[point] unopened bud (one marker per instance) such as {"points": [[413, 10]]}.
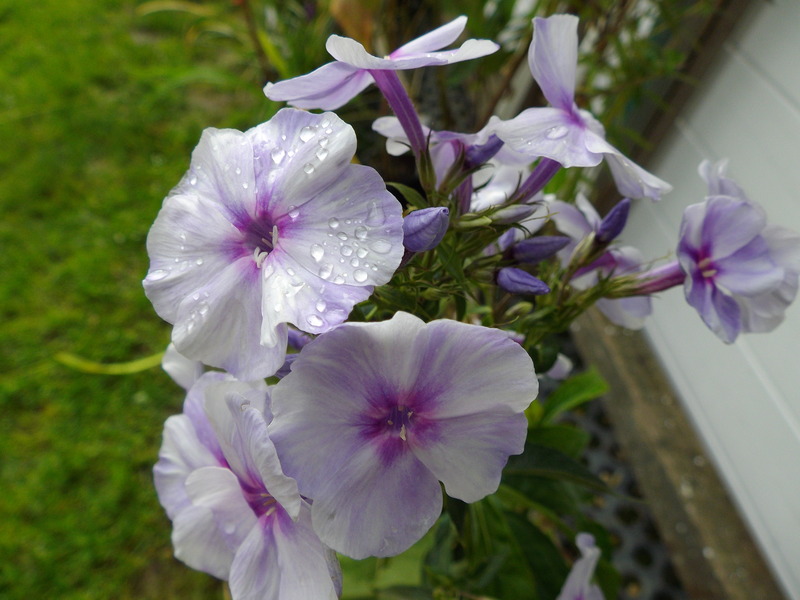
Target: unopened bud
{"points": [[518, 281], [423, 229], [513, 213], [538, 248], [614, 222]]}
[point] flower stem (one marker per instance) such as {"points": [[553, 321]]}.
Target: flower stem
{"points": [[661, 278]]}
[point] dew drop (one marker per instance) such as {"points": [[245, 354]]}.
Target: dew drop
{"points": [[290, 272], [362, 252], [157, 275], [317, 252], [321, 305], [323, 141], [338, 280], [342, 236], [557, 132], [277, 155], [314, 321], [294, 212], [361, 232], [346, 250], [202, 309], [375, 215], [322, 154], [283, 137], [326, 270], [354, 262], [360, 276], [198, 262], [333, 222], [245, 185], [306, 133], [193, 180], [381, 246], [238, 171], [324, 123], [308, 169], [196, 297]]}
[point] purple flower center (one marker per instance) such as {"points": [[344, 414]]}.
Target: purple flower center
{"points": [[707, 268], [399, 421], [260, 500], [260, 237]]}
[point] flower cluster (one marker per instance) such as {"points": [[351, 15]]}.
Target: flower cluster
{"points": [[413, 323]]}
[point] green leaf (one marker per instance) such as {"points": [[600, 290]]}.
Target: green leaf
{"points": [[543, 558], [541, 461], [565, 438], [412, 196], [575, 391]]}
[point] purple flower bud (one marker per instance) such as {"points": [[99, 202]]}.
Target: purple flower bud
{"points": [[477, 155], [513, 213], [518, 281], [614, 222], [423, 229], [538, 248]]}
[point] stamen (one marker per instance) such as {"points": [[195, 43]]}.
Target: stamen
{"points": [[274, 236], [259, 256], [403, 432]]}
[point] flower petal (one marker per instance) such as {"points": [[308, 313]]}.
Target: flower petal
{"points": [[433, 40], [352, 53], [199, 543], [329, 87], [553, 58], [184, 371], [730, 224]]}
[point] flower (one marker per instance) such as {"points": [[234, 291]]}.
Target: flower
{"points": [[393, 408], [336, 83], [740, 273], [235, 514], [423, 229], [268, 227], [563, 132], [578, 586], [517, 281], [580, 220]]}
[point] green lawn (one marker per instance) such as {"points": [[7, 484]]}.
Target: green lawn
{"points": [[99, 110]]}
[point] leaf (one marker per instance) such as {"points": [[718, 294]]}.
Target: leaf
{"points": [[126, 368], [543, 558], [575, 391], [412, 196], [565, 438], [541, 461]]}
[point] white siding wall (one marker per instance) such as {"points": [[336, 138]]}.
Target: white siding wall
{"points": [[744, 398]]}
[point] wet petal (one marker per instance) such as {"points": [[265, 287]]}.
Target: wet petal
{"points": [[553, 58]]}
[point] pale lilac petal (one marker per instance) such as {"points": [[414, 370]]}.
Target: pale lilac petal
{"points": [[553, 58], [349, 233], [784, 246], [282, 560], [729, 225], [397, 142], [570, 220], [363, 510], [352, 53], [549, 132], [629, 313], [718, 183], [719, 312], [469, 451], [433, 40], [467, 51], [329, 87], [765, 312], [199, 543], [220, 324], [749, 271], [194, 409], [632, 180], [184, 371], [561, 369], [297, 156], [218, 490], [578, 585]]}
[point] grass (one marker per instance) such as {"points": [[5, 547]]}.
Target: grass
{"points": [[99, 111]]}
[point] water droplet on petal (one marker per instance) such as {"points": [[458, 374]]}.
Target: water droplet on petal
{"points": [[361, 232], [202, 309], [375, 215], [326, 270], [324, 123], [277, 155], [557, 132], [306, 133], [314, 321], [290, 272], [308, 169], [245, 185], [346, 250], [323, 141], [193, 180], [294, 212], [338, 280], [322, 154], [317, 252], [198, 262], [381, 246], [362, 252], [157, 275], [321, 305], [342, 236], [238, 171], [360, 276], [333, 222], [354, 262]]}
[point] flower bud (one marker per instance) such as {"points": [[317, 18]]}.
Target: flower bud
{"points": [[614, 222], [423, 229], [518, 281], [538, 248], [513, 213]]}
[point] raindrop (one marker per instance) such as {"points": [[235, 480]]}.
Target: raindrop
{"points": [[354, 262], [308, 169], [306, 133], [245, 185], [317, 252], [381, 246], [346, 250], [238, 171], [294, 212], [342, 236], [326, 270], [329, 131], [325, 123], [338, 280], [557, 132], [198, 262], [277, 155], [361, 232], [290, 272], [321, 306], [202, 309], [283, 137], [196, 296], [157, 275], [360, 276], [193, 180], [323, 141], [362, 253], [314, 321], [322, 154], [375, 215], [333, 222]]}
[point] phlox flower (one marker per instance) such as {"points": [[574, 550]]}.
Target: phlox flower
{"points": [[578, 221], [268, 227], [740, 273], [374, 415], [235, 515], [578, 585], [336, 83], [563, 132]]}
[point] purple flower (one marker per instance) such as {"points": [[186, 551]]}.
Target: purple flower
{"points": [[517, 281], [336, 83], [393, 408], [423, 229], [580, 220], [235, 514], [563, 132], [741, 274], [578, 585], [268, 227]]}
